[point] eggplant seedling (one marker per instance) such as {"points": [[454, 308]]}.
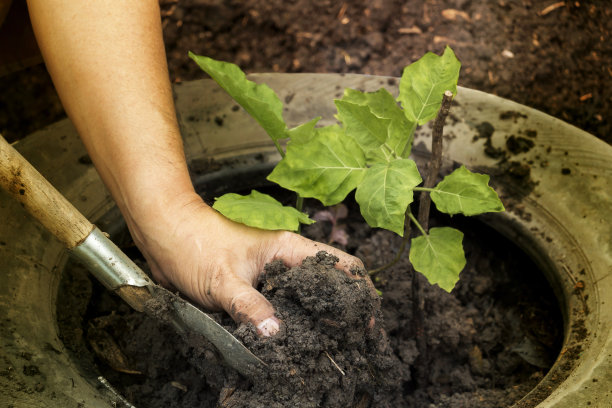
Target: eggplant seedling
{"points": [[369, 152]]}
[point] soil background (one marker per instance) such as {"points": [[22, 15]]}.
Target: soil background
{"points": [[555, 56]]}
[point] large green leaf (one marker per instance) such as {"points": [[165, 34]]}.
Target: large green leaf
{"points": [[439, 256], [399, 130], [464, 192], [260, 211], [386, 191], [327, 167], [424, 82], [260, 101]]}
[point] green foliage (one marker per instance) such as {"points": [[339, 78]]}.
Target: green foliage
{"points": [[385, 193], [368, 152], [303, 132], [259, 101], [260, 211], [366, 128], [439, 256], [327, 166], [467, 193], [423, 85], [396, 138]]}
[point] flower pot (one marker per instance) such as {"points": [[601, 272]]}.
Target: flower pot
{"points": [[554, 181]]}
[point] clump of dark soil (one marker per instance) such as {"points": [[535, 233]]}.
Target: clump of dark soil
{"points": [[331, 350]]}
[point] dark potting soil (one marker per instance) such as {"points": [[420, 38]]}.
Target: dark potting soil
{"points": [[488, 342], [332, 350]]}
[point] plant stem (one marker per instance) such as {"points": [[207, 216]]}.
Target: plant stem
{"points": [[418, 225], [418, 302], [299, 204], [418, 328], [279, 148], [429, 190], [436, 158], [401, 249]]}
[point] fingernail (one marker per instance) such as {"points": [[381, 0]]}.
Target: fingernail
{"points": [[268, 327]]}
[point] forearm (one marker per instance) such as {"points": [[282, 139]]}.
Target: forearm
{"points": [[107, 61]]}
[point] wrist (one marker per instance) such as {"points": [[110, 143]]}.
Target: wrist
{"points": [[153, 206], [159, 206], [157, 224]]}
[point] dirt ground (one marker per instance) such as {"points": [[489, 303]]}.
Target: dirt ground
{"points": [[551, 55]]}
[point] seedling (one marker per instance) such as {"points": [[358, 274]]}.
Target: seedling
{"points": [[370, 153]]}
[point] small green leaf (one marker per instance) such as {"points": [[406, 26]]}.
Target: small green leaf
{"points": [[424, 82], [261, 211], [439, 256], [304, 132], [327, 167], [380, 102], [401, 135], [366, 128], [464, 192], [386, 191], [260, 101], [399, 132]]}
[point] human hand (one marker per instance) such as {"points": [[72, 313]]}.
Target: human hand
{"points": [[217, 262]]}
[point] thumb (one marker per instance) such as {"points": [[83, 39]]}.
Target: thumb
{"points": [[246, 304]]}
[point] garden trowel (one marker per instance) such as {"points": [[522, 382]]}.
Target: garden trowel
{"points": [[109, 264]]}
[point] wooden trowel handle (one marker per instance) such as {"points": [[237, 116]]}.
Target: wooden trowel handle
{"points": [[107, 263], [40, 198]]}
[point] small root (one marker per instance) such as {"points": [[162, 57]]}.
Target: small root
{"points": [[334, 363]]}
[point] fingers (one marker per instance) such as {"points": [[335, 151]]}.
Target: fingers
{"points": [[295, 248], [246, 304]]}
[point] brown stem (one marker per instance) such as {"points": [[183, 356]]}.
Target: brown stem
{"points": [[418, 302], [436, 159]]}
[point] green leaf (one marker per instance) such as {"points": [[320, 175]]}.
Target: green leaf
{"points": [[260, 211], [327, 167], [380, 102], [366, 128], [464, 192], [399, 130], [385, 193], [304, 132], [424, 82], [260, 101], [439, 256]]}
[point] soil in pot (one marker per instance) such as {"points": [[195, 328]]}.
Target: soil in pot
{"points": [[488, 342]]}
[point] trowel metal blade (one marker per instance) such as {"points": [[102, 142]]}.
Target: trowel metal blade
{"points": [[187, 318]]}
